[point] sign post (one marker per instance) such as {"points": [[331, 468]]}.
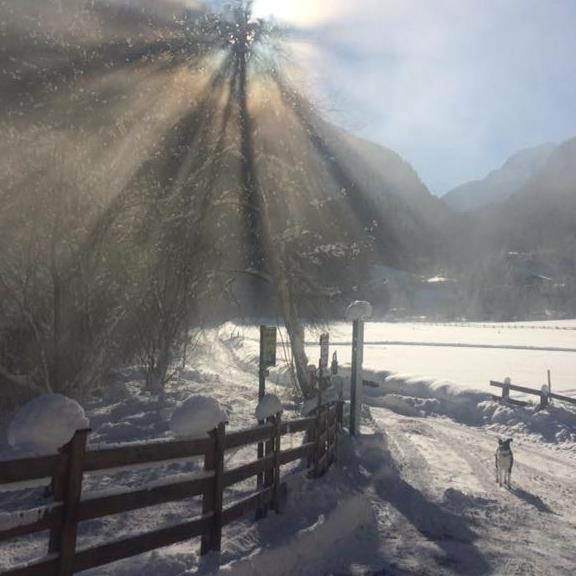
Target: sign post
{"points": [[267, 359], [267, 356], [334, 365], [357, 312], [324, 353]]}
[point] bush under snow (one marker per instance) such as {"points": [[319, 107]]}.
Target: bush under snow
{"points": [[269, 406], [197, 416], [46, 423]]}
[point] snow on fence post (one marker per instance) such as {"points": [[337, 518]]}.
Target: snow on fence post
{"points": [[67, 487], [212, 501]]}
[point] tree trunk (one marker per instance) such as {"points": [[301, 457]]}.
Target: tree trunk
{"points": [[296, 336], [156, 377], [257, 232]]}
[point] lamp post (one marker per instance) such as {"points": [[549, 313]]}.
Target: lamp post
{"points": [[357, 312]]}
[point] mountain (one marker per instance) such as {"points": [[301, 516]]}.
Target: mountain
{"points": [[541, 215], [405, 206], [519, 256], [502, 183]]}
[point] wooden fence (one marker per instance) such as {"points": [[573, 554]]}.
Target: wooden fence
{"points": [[544, 394], [66, 469]]}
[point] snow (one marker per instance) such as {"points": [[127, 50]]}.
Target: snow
{"points": [[46, 423], [270, 405], [467, 355], [197, 416], [414, 494], [328, 396], [9, 520]]}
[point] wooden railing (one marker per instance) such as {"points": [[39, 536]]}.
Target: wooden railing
{"points": [[544, 394], [66, 469]]}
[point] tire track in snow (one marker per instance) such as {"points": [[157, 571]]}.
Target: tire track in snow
{"points": [[534, 521], [433, 538]]}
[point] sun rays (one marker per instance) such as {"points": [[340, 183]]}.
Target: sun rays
{"points": [[157, 168]]}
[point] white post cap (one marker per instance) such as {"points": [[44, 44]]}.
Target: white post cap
{"points": [[359, 310]]}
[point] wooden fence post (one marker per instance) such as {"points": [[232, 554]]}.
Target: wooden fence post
{"points": [[325, 444], [267, 479], [506, 389], [214, 497], [67, 488], [317, 434], [264, 479], [340, 413], [332, 434], [276, 473], [339, 426], [544, 398]]}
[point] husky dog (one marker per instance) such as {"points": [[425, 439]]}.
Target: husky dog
{"points": [[504, 462]]}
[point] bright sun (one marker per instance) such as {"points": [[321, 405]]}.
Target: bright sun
{"points": [[298, 12]]}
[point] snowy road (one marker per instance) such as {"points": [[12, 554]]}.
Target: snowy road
{"points": [[439, 511]]}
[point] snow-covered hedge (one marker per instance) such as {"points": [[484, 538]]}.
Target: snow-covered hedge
{"points": [[46, 423], [197, 416]]}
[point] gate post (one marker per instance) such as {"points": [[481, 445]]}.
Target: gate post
{"points": [[213, 497], [67, 487], [506, 389], [357, 312]]}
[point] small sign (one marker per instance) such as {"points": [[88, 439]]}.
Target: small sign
{"points": [[324, 350], [267, 346], [334, 365]]}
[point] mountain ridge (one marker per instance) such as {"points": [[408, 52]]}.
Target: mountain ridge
{"points": [[501, 183]]}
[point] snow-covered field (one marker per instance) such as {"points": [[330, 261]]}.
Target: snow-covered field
{"points": [[470, 355], [414, 495]]}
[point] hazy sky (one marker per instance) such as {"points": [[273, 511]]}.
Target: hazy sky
{"points": [[455, 86]]}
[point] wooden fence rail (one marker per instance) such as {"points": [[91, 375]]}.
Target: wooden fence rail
{"points": [[66, 470], [544, 394]]}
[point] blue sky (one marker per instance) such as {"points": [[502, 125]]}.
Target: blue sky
{"points": [[454, 86]]}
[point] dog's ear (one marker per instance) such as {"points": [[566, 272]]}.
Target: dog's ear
{"points": [[500, 441]]}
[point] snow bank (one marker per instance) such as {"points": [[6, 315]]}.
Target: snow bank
{"points": [[420, 398], [321, 548], [197, 416], [270, 405], [46, 423]]}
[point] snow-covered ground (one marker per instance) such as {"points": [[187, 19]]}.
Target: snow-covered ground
{"points": [[470, 355], [413, 495], [467, 355]]}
